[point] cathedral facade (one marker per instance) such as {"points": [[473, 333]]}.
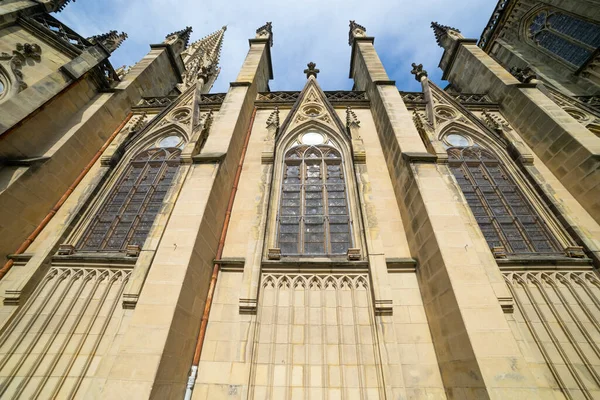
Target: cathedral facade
{"points": [[162, 241]]}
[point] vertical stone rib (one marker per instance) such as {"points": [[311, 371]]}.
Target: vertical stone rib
{"points": [[536, 337], [64, 375], [60, 351], [113, 306], [553, 337], [579, 299], [552, 282], [359, 362], [8, 332], [563, 326], [13, 372], [61, 322], [274, 312]]}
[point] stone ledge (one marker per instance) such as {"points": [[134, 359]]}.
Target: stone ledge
{"points": [[419, 157], [401, 264], [208, 158]]}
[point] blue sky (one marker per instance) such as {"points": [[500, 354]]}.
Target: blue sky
{"points": [[307, 30]]}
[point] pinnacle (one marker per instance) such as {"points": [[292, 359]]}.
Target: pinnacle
{"points": [[59, 5], [111, 40], [201, 58], [355, 30], [441, 30], [184, 34]]}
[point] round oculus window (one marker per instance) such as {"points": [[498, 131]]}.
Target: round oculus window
{"points": [[456, 140], [169, 141], [312, 138]]}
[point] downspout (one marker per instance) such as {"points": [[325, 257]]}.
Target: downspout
{"points": [[25, 245], [213, 280]]}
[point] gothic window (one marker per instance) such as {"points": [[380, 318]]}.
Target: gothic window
{"points": [[564, 35], [130, 208], [501, 209], [313, 215]]}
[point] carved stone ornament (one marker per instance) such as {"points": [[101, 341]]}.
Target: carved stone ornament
{"points": [[353, 254], [311, 70], [351, 118], [499, 252], [65, 249], [14, 63], [574, 252], [132, 250], [524, 75], [356, 30], [418, 72], [274, 254], [265, 31]]}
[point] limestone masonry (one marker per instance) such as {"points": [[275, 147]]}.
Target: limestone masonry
{"points": [[162, 241]]}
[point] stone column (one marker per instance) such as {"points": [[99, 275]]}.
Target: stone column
{"points": [[460, 300], [566, 147], [157, 350]]}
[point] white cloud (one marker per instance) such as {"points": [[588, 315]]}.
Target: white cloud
{"points": [[308, 30]]}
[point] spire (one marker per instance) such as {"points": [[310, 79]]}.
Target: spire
{"points": [[183, 35], [111, 40], [445, 35], [201, 58], [356, 30]]}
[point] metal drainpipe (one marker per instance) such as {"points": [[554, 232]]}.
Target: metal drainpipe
{"points": [[213, 280]]}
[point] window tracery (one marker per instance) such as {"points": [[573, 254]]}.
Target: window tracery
{"points": [[505, 216], [128, 212], [313, 214], [570, 38]]}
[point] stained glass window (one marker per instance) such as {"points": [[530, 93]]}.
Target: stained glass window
{"points": [[569, 37], [130, 208], [501, 209], [313, 215]]}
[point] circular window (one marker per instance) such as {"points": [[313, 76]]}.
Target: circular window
{"points": [[169, 141], [181, 115], [445, 112], [312, 110], [457, 140], [312, 138]]}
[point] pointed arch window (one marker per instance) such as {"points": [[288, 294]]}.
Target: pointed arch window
{"points": [[570, 38], [313, 214], [130, 208], [500, 207]]}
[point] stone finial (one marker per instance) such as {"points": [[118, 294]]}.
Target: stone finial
{"points": [[418, 72], [445, 35], [110, 40], [122, 71], [311, 70], [273, 120], [524, 75], [183, 35], [356, 30], [265, 31], [351, 118]]}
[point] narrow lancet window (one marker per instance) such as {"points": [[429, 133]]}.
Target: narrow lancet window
{"points": [[313, 215], [568, 37], [130, 208], [500, 207]]}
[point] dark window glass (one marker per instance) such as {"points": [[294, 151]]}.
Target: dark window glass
{"points": [[313, 214], [570, 38], [130, 208], [503, 213]]}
